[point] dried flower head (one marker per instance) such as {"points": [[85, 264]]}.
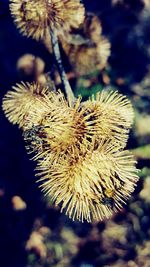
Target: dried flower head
{"points": [[55, 129], [66, 130], [87, 58], [86, 48], [91, 186], [62, 129], [89, 32], [23, 99], [111, 117], [36, 18]]}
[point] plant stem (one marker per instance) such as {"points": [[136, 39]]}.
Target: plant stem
{"points": [[64, 79]]}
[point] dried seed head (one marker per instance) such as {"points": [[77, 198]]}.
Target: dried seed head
{"points": [[61, 131], [36, 18], [30, 66], [88, 51], [65, 129], [86, 58], [24, 98], [111, 117], [91, 186], [80, 160], [89, 32]]}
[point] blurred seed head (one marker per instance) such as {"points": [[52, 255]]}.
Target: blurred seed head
{"points": [[18, 203], [89, 31], [86, 59], [92, 28], [87, 50], [36, 18], [36, 243], [146, 3], [30, 66]]}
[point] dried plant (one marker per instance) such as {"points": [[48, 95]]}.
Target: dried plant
{"points": [[86, 48], [91, 185], [78, 146], [86, 59], [36, 18], [111, 116], [18, 103]]}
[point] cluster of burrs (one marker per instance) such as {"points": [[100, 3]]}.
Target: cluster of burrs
{"points": [[78, 146]]}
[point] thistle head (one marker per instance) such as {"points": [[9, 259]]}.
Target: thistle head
{"points": [[35, 18]]}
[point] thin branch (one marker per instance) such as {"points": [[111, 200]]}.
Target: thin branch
{"points": [[64, 79]]}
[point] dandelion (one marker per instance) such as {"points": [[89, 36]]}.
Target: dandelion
{"points": [[36, 18]]}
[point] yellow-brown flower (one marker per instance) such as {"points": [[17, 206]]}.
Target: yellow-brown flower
{"points": [[36, 17], [91, 186]]}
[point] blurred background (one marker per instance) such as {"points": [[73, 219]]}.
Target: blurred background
{"points": [[33, 233]]}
